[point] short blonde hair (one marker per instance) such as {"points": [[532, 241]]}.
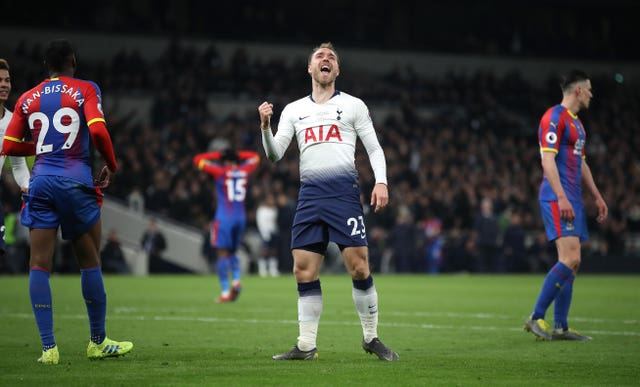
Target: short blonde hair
{"points": [[4, 65], [328, 45]]}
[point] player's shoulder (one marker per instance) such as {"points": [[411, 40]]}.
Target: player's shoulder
{"points": [[25, 99], [293, 108], [346, 98], [559, 110], [32, 92], [306, 100], [84, 83], [554, 113]]}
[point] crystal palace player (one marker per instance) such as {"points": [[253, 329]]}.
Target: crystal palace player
{"points": [[231, 171], [327, 124], [562, 141], [64, 115]]}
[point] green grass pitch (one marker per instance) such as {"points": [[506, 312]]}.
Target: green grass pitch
{"points": [[452, 330]]}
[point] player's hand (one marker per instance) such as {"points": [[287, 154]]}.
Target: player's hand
{"points": [[266, 111], [603, 210], [104, 178], [566, 209], [379, 197]]}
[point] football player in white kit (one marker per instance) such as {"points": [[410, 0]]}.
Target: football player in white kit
{"points": [[19, 167], [326, 125]]}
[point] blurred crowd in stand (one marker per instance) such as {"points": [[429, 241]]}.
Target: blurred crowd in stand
{"points": [[497, 27], [462, 153]]}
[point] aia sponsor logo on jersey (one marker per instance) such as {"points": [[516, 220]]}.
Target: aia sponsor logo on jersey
{"points": [[322, 133]]}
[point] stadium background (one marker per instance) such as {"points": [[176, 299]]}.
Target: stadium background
{"points": [[455, 90]]}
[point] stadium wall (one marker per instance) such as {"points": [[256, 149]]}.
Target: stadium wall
{"points": [[183, 243]]}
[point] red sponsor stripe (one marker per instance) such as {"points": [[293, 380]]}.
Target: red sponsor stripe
{"points": [[555, 212], [561, 274], [99, 196], [214, 232]]}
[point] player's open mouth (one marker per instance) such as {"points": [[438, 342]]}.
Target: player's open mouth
{"points": [[325, 69]]}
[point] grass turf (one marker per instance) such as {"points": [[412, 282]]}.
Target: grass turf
{"points": [[448, 329]]}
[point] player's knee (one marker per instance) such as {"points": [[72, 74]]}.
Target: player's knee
{"points": [[360, 274], [43, 265], [304, 273], [358, 269], [571, 261], [88, 261]]}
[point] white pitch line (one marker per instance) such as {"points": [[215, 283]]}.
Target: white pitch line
{"points": [[491, 316], [452, 315], [326, 322]]}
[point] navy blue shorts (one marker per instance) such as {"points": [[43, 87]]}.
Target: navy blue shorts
{"points": [[272, 243], [557, 227], [56, 201], [318, 221]]}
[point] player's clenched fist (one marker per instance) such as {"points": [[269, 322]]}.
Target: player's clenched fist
{"points": [[266, 111]]}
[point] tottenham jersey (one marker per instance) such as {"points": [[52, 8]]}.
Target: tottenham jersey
{"points": [[18, 164], [562, 132], [4, 122], [326, 135]]}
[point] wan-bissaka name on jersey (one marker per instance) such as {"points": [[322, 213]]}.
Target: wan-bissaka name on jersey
{"points": [[58, 112]]}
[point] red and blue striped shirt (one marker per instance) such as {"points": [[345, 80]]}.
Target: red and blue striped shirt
{"points": [[562, 132]]}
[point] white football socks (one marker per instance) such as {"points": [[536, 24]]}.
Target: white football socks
{"points": [[366, 302], [309, 311], [262, 267]]}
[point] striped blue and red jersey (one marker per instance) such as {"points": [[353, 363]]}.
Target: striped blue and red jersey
{"points": [[58, 112], [562, 132], [231, 181]]}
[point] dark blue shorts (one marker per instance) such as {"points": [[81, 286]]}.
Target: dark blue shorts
{"points": [[556, 227], [318, 221], [226, 233], [56, 201], [272, 243]]}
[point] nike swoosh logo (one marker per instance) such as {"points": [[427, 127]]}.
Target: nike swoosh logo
{"points": [[302, 118]]}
